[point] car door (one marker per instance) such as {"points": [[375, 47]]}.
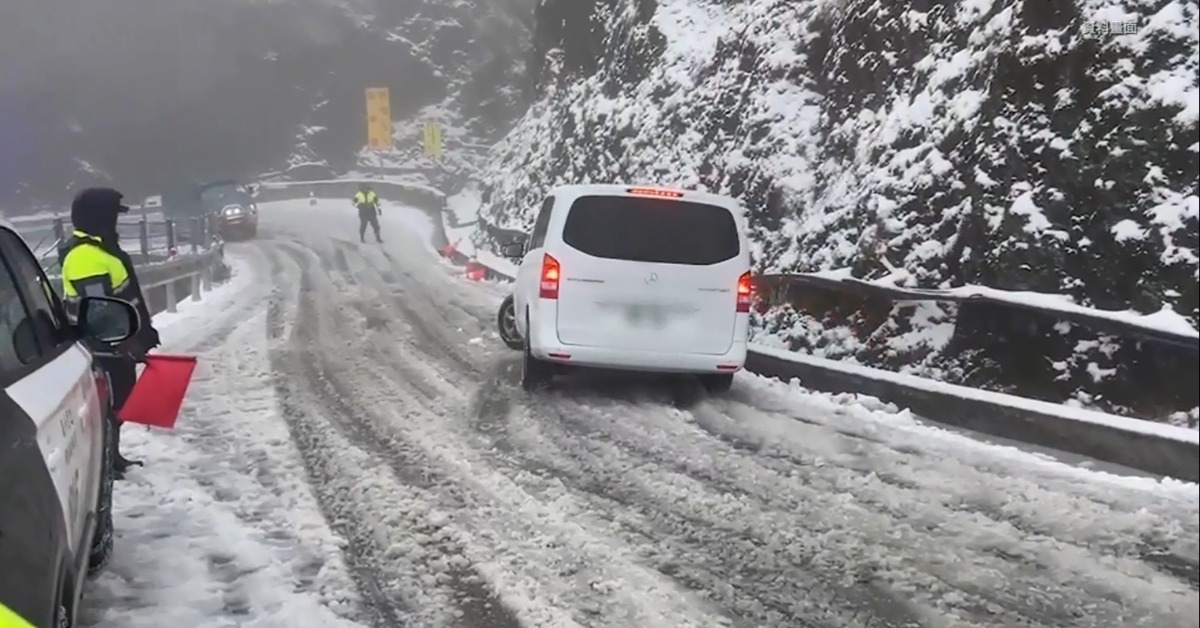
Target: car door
{"points": [[53, 406], [529, 273], [33, 531]]}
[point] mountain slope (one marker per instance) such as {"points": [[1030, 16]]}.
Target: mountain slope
{"points": [[996, 142]]}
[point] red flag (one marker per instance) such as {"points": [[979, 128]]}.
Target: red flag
{"points": [[159, 392]]}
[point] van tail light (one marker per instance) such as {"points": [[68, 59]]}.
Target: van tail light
{"points": [[660, 193], [551, 273], [745, 289]]}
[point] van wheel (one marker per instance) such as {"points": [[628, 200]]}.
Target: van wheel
{"points": [[535, 374], [717, 383], [102, 542], [506, 322]]}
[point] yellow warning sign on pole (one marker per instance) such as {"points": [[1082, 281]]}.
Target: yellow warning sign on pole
{"points": [[432, 143], [379, 119]]}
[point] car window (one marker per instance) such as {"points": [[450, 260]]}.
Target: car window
{"points": [[12, 315], [49, 326], [654, 230], [541, 225]]}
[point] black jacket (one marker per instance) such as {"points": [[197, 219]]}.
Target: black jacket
{"points": [[147, 337]]}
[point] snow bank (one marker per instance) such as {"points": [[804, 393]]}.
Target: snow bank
{"points": [[1126, 424]]}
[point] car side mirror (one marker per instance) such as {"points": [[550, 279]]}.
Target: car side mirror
{"points": [[514, 251], [107, 320]]}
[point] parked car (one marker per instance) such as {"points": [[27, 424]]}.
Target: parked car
{"points": [[632, 278], [56, 445]]}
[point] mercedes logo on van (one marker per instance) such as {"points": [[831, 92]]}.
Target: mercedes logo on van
{"points": [[652, 278]]}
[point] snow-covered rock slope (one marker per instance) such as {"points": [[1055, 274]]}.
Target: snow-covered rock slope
{"points": [[1032, 145]]}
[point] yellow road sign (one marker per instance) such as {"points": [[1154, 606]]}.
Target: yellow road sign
{"points": [[432, 142], [379, 119]]}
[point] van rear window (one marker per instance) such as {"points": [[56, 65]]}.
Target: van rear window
{"points": [[663, 231]]}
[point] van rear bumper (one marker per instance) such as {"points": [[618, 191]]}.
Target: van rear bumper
{"points": [[551, 350]]}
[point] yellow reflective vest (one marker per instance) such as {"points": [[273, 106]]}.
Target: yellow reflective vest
{"points": [[9, 619], [89, 270], [369, 199]]}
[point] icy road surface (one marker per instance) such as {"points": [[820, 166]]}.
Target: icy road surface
{"points": [[357, 452]]}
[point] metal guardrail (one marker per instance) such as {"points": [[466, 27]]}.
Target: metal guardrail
{"points": [[1097, 322], [174, 260], [157, 240]]}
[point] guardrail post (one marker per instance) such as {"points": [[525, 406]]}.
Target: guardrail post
{"points": [[197, 287], [144, 237], [170, 236], [170, 287], [197, 235], [60, 230], [206, 275]]}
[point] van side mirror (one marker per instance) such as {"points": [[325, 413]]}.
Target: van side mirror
{"points": [[107, 321], [514, 251]]}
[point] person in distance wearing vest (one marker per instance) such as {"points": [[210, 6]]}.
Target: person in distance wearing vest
{"points": [[94, 264], [369, 212]]}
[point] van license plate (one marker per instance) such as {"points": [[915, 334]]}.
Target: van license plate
{"points": [[645, 315]]}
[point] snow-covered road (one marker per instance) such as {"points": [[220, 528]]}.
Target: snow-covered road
{"points": [[357, 452]]}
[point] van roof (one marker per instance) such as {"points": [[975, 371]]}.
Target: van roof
{"points": [[622, 189]]}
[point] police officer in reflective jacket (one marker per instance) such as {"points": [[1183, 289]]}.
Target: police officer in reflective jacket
{"points": [[369, 212], [93, 264]]}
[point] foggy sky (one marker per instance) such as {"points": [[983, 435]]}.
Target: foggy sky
{"points": [[124, 72], [152, 90]]}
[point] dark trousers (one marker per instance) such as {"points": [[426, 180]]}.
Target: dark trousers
{"points": [[122, 375], [368, 216]]}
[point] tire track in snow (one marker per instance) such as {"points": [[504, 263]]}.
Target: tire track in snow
{"points": [[1075, 581], [360, 554], [1022, 566], [478, 606], [1028, 505], [593, 609], [747, 573]]}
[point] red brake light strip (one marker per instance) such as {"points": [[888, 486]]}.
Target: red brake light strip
{"points": [[655, 192]]}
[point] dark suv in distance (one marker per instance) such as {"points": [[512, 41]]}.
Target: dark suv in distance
{"points": [[56, 439], [228, 204]]}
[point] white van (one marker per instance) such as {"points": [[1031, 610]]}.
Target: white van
{"points": [[632, 278]]}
